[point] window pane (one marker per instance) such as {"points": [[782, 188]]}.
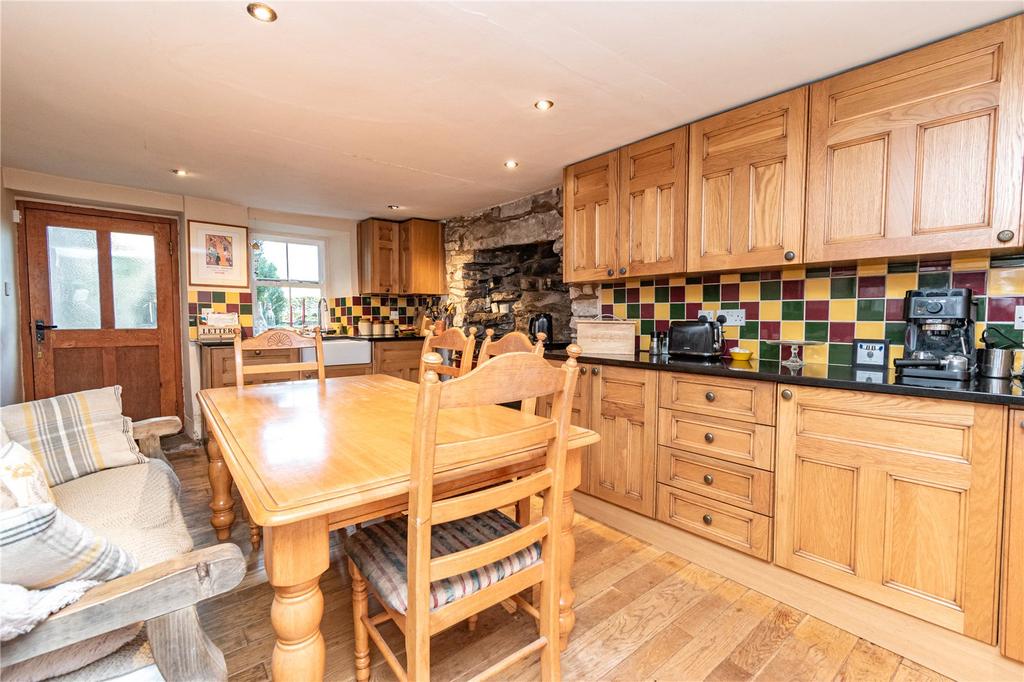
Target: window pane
{"points": [[303, 263], [74, 278], [271, 308], [133, 264], [271, 261], [305, 304]]}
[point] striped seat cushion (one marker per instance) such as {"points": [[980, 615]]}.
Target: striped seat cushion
{"points": [[75, 434], [380, 553]]}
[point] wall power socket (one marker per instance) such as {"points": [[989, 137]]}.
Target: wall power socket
{"points": [[1018, 317], [733, 318]]}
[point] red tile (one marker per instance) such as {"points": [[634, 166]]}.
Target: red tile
{"points": [[633, 295], [246, 332], [770, 331], [815, 310], [894, 309], [871, 287], [646, 311], [975, 281], [231, 307], [752, 308], [245, 297], [1001, 308], [607, 309], [661, 325], [677, 294], [840, 332], [731, 292], [792, 289], [711, 279], [692, 310]]}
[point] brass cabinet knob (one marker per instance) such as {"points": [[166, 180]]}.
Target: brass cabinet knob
{"points": [[583, 370], [787, 394], [709, 479], [257, 352], [709, 396], [610, 272], [707, 519], [1005, 236], [622, 271], [595, 370], [789, 255], [709, 437]]}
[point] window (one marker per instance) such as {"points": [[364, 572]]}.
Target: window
{"points": [[288, 276]]}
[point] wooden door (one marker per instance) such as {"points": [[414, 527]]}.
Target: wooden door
{"points": [[1011, 633], [581, 404], [624, 413], [378, 257], [109, 283], [652, 205], [894, 498], [591, 202], [920, 153], [746, 199]]}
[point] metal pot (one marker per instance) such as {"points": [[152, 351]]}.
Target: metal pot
{"points": [[995, 363]]}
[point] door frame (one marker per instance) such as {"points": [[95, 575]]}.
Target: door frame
{"points": [[24, 304]]}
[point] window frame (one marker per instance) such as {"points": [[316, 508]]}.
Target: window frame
{"points": [[321, 246]]}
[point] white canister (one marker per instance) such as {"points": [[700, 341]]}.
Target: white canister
{"points": [[365, 327], [378, 329], [389, 329]]}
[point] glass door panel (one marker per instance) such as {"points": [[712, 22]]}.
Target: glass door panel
{"points": [[74, 278], [133, 270]]}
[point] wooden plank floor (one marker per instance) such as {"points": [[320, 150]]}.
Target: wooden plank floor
{"points": [[641, 614]]}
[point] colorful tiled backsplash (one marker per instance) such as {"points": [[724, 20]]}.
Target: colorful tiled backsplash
{"points": [[832, 304], [348, 310], [220, 302]]}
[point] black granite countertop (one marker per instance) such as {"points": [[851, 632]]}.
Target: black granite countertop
{"points": [[831, 376]]}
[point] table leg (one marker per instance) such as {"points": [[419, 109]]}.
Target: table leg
{"points": [[221, 503], [567, 597], [296, 555]]}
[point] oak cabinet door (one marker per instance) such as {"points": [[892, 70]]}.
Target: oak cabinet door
{"points": [[622, 469], [378, 257], [894, 498], [652, 205], [398, 359], [920, 153], [421, 261], [1011, 634], [746, 199], [590, 215], [580, 416]]}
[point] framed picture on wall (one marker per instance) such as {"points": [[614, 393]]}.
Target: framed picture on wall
{"points": [[218, 255]]}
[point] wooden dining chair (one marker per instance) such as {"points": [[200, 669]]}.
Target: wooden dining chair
{"points": [[275, 339], [454, 341], [409, 565]]}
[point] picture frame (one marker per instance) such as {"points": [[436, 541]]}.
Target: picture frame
{"points": [[871, 354], [218, 255]]}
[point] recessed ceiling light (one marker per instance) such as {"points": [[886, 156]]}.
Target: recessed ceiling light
{"points": [[179, 171], [511, 163], [261, 12], [394, 207], [543, 104]]}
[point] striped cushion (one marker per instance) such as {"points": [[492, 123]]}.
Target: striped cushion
{"points": [[380, 552], [22, 481], [75, 434], [42, 546]]}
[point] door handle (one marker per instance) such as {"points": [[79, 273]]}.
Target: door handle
{"points": [[41, 330]]}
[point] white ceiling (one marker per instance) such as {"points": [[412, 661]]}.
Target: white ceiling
{"points": [[341, 108]]}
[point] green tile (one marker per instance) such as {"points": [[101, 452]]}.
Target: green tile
{"points": [[818, 273], [981, 308], [840, 354], [619, 295], [768, 351], [245, 308], [712, 293], [844, 287], [1006, 328], [633, 311], [750, 276], [677, 311], [815, 331], [895, 332], [750, 330], [933, 280], [730, 305], [909, 266], [871, 309], [792, 310], [646, 327], [771, 290], [661, 294], [693, 279], [218, 297]]}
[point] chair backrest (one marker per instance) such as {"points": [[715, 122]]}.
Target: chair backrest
{"points": [[513, 342], [275, 339], [453, 340], [506, 378]]}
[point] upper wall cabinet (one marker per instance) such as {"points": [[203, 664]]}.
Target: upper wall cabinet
{"points": [[591, 201], [652, 205], [401, 258], [746, 199], [378, 257], [920, 153]]}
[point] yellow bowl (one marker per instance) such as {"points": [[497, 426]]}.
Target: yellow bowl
{"points": [[740, 354]]}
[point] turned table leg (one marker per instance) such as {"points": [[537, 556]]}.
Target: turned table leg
{"points": [[296, 555], [567, 597], [221, 503]]}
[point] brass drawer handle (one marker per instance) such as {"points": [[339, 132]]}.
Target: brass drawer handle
{"points": [[583, 370], [707, 519], [610, 272], [709, 479], [1005, 236], [595, 371], [787, 394], [709, 396], [709, 437], [258, 352], [790, 255]]}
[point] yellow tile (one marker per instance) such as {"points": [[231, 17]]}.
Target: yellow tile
{"points": [[869, 330], [871, 267], [897, 284], [694, 293], [964, 262], [798, 272], [731, 332], [816, 354], [842, 310], [979, 329], [750, 291], [607, 295], [645, 342], [817, 289], [220, 307], [814, 369], [661, 311], [231, 297], [730, 278], [770, 310], [619, 310], [895, 352], [752, 345], [193, 333], [193, 296], [647, 294], [245, 320], [385, 310], [792, 330], [677, 281], [1005, 282]]}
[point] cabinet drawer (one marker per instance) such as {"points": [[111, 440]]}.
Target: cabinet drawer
{"points": [[733, 441], [745, 400], [741, 529], [734, 484]]}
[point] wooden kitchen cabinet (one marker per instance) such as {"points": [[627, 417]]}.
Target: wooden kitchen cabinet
{"points": [[217, 365], [920, 153], [746, 197], [652, 205], [398, 358], [894, 498], [590, 218], [1011, 629], [624, 413], [581, 404], [421, 268], [378, 257]]}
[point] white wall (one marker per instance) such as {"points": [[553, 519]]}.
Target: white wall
{"points": [[10, 338]]}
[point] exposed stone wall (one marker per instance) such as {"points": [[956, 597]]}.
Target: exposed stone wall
{"points": [[504, 264]]}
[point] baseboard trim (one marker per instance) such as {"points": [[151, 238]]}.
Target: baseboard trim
{"points": [[942, 650]]}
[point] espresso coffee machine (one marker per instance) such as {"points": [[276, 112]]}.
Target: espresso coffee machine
{"points": [[939, 346]]}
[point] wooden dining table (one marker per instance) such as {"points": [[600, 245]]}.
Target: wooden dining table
{"points": [[308, 457]]}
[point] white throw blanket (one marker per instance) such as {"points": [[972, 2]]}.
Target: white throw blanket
{"points": [[22, 609]]}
